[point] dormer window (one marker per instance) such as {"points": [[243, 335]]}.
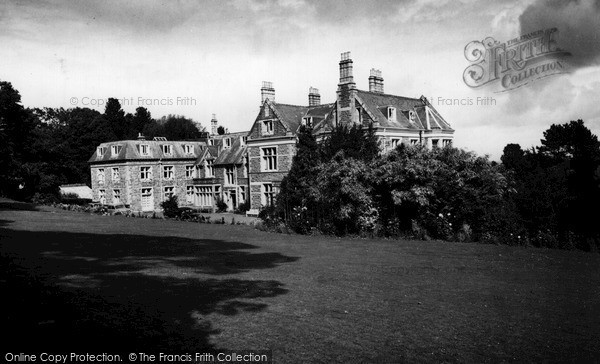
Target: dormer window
{"points": [[243, 140], [100, 151], [188, 149], [391, 114], [144, 149], [227, 143], [413, 116], [307, 121], [267, 127], [211, 142], [167, 149], [115, 150]]}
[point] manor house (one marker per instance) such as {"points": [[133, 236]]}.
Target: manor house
{"points": [[248, 167]]}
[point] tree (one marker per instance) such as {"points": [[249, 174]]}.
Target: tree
{"points": [[115, 117], [177, 127], [16, 130], [295, 200], [141, 119], [221, 130]]}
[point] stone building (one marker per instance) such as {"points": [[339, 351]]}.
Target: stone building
{"points": [[249, 166], [143, 173], [395, 120], [222, 171]]}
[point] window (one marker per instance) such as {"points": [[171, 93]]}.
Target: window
{"points": [[267, 194], [189, 171], [446, 142], [100, 175], [267, 127], [100, 151], [145, 173], [227, 143], [391, 113], [116, 196], [307, 121], [414, 141], [269, 159], [229, 175], [243, 140], [189, 194], [168, 172], [144, 149], [197, 172], [395, 143], [102, 196], [211, 142], [359, 115], [115, 150], [204, 195], [116, 176], [188, 149], [242, 194], [434, 143], [169, 191], [167, 149], [210, 168]]}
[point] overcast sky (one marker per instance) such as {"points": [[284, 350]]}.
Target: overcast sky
{"points": [[218, 53]]}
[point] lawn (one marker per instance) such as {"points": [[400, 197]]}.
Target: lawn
{"points": [[76, 281]]}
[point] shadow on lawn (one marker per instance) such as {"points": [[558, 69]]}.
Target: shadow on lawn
{"points": [[66, 291]]}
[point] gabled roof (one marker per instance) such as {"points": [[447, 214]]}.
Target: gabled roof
{"points": [[130, 150], [425, 116], [291, 115], [233, 154]]}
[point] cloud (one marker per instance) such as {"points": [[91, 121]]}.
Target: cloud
{"points": [[578, 23]]}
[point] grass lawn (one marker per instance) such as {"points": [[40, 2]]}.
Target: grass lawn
{"points": [[75, 281]]}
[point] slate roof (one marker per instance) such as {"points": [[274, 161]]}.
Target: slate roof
{"points": [[233, 154], [377, 103], [130, 150], [291, 115]]}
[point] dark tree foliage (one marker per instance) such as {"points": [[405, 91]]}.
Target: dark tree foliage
{"points": [[557, 186], [295, 200], [141, 118], [355, 141], [221, 130], [41, 149]]}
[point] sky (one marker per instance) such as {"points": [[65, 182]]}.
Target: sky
{"points": [[198, 58]]}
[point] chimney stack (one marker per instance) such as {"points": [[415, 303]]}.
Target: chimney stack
{"points": [[375, 81], [267, 92], [214, 125], [141, 136], [314, 98], [346, 70]]}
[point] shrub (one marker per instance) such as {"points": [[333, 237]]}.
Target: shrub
{"points": [[171, 207], [243, 207], [221, 205]]}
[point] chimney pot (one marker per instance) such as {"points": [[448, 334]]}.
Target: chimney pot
{"points": [[314, 98], [346, 69], [267, 92], [375, 81]]}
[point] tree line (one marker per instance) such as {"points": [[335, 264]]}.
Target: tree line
{"points": [[545, 196], [43, 148]]}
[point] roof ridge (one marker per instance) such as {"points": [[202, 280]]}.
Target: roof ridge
{"points": [[384, 94]]}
